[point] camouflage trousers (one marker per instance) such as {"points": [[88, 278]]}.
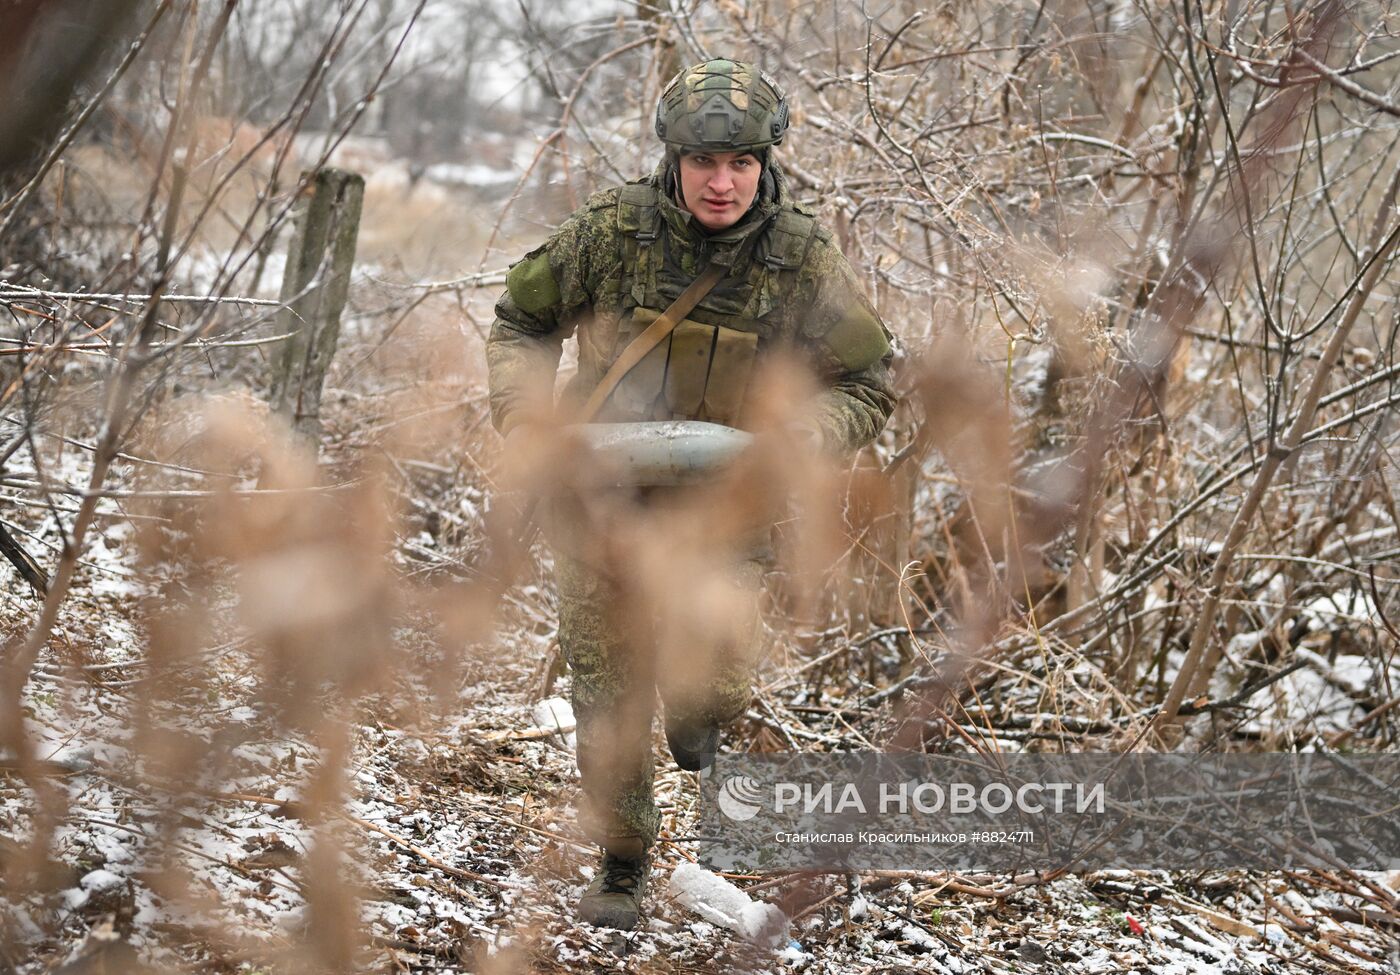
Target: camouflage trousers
{"points": [[696, 644]]}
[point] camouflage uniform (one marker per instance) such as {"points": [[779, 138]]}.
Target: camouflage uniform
{"points": [[624, 256]]}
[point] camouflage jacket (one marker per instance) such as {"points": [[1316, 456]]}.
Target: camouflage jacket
{"points": [[632, 248]]}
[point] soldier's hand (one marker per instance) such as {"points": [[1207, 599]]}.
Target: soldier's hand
{"points": [[806, 436], [796, 440], [786, 455]]}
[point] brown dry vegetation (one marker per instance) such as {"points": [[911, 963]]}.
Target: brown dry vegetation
{"points": [[1139, 492]]}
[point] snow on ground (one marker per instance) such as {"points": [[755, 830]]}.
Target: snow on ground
{"points": [[461, 837], [473, 175]]}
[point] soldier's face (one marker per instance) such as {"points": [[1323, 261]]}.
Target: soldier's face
{"points": [[719, 186]]}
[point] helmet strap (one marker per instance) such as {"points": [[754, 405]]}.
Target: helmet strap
{"points": [[767, 184]]}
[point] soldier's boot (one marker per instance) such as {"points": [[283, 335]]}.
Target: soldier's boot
{"points": [[693, 744], [614, 897]]}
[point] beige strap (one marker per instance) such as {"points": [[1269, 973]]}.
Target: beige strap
{"points": [[650, 338]]}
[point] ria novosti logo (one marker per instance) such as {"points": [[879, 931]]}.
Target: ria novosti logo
{"points": [[740, 798]]}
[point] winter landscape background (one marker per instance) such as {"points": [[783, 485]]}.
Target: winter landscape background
{"points": [[260, 713]]}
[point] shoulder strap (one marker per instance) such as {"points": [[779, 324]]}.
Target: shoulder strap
{"points": [[639, 222], [650, 338], [787, 240], [637, 215]]}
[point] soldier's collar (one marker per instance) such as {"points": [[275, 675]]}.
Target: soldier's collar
{"points": [[730, 246]]}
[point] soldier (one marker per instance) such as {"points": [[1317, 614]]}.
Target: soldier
{"points": [[714, 238]]}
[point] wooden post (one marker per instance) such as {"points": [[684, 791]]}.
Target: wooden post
{"points": [[314, 288]]}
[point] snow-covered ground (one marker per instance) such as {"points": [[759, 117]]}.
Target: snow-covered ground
{"points": [[460, 834]]}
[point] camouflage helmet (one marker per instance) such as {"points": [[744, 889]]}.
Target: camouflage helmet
{"points": [[722, 106]]}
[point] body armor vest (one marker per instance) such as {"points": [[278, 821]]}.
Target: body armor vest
{"points": [[702, 371]]}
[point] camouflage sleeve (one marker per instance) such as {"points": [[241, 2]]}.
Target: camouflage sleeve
{"points": [[852, 347], [544, 293]]}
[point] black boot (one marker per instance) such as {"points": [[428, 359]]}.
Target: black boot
{"points": [[614, 897], [692, 745]]}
